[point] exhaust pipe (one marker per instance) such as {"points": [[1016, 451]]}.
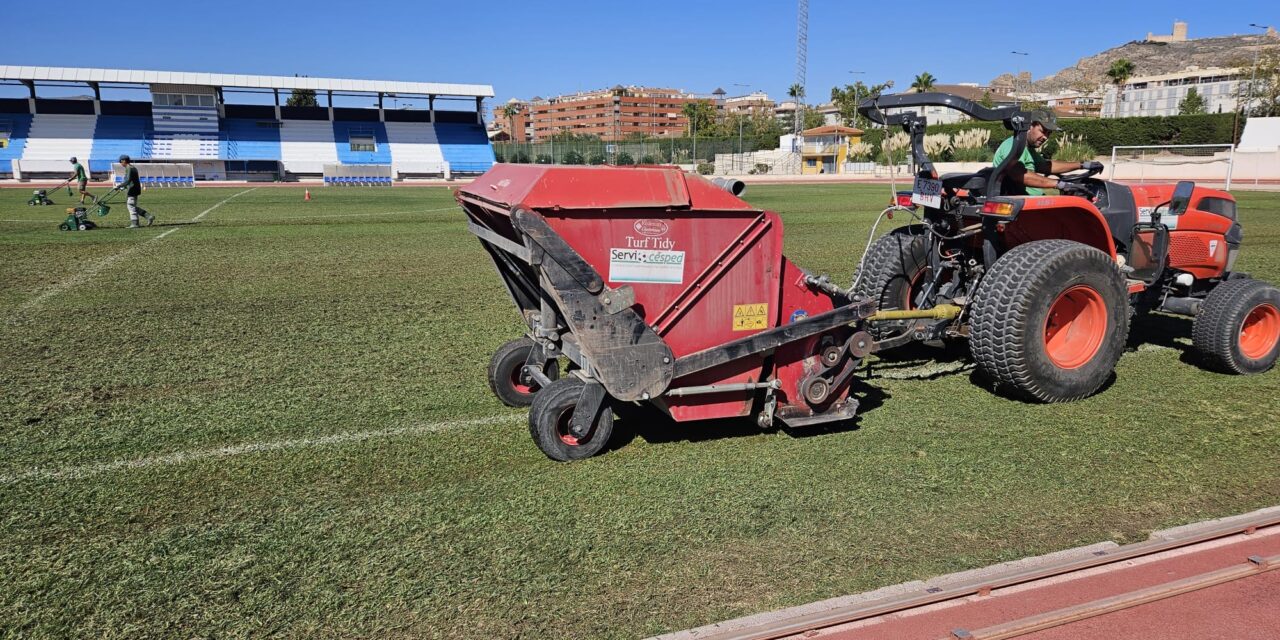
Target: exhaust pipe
{"points": [[736, 187]]}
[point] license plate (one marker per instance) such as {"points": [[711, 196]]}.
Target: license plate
{"points": [[927, 192]]}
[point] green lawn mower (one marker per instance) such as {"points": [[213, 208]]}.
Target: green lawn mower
{"points": [[78, 217], [41, 197]]}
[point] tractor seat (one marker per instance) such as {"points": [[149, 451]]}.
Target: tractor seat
{"points": [[974, 183], [1118, 208]]}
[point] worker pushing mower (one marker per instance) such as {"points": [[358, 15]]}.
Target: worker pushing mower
{"points": [[655, 287]]}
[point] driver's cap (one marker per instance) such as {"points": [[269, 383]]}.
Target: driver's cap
{"points": [[1045, 118]]}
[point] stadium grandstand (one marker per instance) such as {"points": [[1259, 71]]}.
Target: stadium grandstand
{"points": [[235, 127]]}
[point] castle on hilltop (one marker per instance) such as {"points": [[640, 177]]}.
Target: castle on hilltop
{"points": [[1179, 34]]}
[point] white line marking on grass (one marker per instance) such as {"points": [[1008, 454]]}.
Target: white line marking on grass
{"points": [[93, 269], [338, 215], [206, 211], [231, 451]]}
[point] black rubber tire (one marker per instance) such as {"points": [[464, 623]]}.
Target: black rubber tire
{"points": [[1010, 313], [549, 417], [504, 367], [893, 262], [1216, 332]]}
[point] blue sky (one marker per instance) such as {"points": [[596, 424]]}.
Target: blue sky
{"points": [[544, 48]]}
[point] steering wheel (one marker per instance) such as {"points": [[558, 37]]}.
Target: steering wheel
{"points": [[1080, 175]]}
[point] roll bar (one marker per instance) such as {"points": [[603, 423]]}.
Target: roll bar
{"points": [[1013, 117]]}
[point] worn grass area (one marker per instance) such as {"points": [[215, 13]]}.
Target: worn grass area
{"points": [[373, 311]]}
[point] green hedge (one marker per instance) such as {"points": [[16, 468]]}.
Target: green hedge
{"points": [[1104, 133]]}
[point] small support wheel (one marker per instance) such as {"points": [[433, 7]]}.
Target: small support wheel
{"points": [[550, 418], [507, 379], [1238, 327]]}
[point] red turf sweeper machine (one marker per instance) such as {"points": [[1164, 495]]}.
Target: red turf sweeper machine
{"points": [[658, 287]]}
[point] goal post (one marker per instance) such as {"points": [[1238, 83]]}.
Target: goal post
{"points": [[1162, 163]]}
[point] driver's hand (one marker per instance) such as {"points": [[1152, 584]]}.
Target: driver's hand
{"points": [[1091, 165], [1072, 189]]}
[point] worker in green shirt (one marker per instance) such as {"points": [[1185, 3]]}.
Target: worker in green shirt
{"points": [[132, 187], [1030, 174], [82, 179]]}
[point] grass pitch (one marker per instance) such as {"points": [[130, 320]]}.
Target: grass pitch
{"points": [[274, 421]]}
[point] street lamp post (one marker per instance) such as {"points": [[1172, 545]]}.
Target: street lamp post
{"points": [[1253, 73], [739, 162], [855, 96], [1018, 76]]}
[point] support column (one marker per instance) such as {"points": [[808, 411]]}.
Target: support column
{"points": [[97, 98], [31, 101], [329, 94], [382, 115], [277, 94], [480, 111], [220, 101], [431, 104]]}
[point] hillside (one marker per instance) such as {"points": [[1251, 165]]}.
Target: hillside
{"points": [[1151, 58]]}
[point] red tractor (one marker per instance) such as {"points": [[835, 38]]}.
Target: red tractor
{"points": [[649, 288], [1044, 287]]}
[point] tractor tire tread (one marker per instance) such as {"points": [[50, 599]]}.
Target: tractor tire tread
{"points": [[1215, 331], [888, 257], [1003, 302]]}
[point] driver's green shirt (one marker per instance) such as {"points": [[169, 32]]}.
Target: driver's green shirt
{"points": [[80, 175], [1028, 160]]}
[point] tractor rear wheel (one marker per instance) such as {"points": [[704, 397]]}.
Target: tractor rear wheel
{"points": [[1238, 327], [551, 414], [507, 379], [894, 269], [1049, 320]]}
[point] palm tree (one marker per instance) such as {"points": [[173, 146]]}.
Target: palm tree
{"points": [[796, 91], [1120, 72], [923, 82], [510, 112]]}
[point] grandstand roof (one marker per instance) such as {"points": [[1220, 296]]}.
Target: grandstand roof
{"points": [[130, 76]]}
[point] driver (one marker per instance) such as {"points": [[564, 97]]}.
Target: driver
{"points": [[1029, 176]]}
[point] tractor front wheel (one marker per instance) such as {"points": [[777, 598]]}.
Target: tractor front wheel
{"points": [[506, 373], [550, 417], [1049, 320], [1238, 327]]}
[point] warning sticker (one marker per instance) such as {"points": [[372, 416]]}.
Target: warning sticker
{"points": [[646, 265], [750, 316]]}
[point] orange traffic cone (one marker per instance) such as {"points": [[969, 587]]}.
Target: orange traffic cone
{"points": [[307, 196]]}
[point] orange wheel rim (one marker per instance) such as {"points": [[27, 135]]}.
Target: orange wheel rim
{"points": [[1260, 331], [1075, 328]]}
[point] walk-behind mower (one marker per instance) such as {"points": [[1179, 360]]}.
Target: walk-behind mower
{"points": [[39, 198], [78, 217], [659, 288]]}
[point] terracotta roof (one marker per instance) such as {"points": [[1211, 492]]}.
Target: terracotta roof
{"points": [[832, 129]]}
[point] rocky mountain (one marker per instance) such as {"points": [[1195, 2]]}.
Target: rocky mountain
{"points": [[1149, 57]]}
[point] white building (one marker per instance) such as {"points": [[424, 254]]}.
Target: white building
{"points": [[1159, 95]]}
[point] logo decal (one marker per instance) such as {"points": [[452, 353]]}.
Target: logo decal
{"points": [[650, 227]]}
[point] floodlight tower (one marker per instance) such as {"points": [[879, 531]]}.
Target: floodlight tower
{"points": [[802, 61]]}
